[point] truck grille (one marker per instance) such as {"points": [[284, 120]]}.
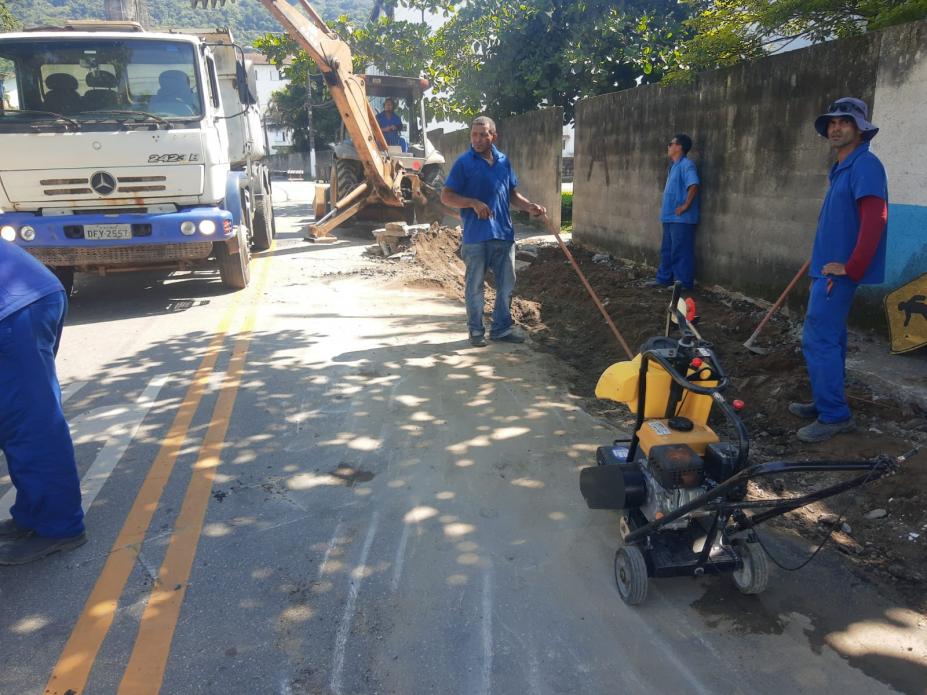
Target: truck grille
{"points": [[126, 184], [122, 255]]}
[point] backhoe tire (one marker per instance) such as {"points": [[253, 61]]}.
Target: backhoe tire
{"points": [[433, 177], [234, 268], [346, 176], [265, 228]]}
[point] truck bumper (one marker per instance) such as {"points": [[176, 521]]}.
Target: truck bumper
{"points": [[151, 240]]}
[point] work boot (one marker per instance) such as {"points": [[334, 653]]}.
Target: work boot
{"points": [[32, 548], [819, 431], [805, 410], [516, 335], [477, 340], [10, 530], [656, 285]]}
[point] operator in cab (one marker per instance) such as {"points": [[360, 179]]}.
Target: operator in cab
{"points": [[391, 124]]}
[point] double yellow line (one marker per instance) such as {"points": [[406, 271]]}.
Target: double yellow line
{"points": [[145, 670]]}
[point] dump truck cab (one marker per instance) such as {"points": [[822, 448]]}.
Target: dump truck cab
{"points": [[126, 149]]}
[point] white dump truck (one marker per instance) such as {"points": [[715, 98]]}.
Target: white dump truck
{"points": [[124, 149]]}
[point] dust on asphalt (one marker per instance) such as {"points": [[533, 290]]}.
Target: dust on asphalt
{"points": [[554, 308]]}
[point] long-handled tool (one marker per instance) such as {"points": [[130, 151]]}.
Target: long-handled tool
{"points": [[595, 298], [773, 309]]}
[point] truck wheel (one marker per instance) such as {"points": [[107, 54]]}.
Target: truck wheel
{"points": [[631, 574], [753, 577], [264, 229], [347, 177], [234, 267]]}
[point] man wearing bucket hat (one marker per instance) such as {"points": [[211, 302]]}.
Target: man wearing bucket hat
{"points": [[849, 250]]}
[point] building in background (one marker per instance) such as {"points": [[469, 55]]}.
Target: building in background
{"points": [[268, 80]]}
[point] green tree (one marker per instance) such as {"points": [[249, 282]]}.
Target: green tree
{"points": [[725, 32], [396, 48], [288, 106], [7, 20], [507, 57]]}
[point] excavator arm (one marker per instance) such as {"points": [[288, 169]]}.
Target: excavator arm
{"points": [[333, 57]]}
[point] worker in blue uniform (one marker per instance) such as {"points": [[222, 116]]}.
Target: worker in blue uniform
{"points": [[34, 436], [391, 124], [679, 215], [849, 250]]}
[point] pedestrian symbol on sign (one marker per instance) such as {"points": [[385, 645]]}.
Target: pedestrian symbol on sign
{"points": [[906, 311]]}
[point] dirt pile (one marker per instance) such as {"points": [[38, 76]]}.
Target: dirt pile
{"points": [[886, 522]]}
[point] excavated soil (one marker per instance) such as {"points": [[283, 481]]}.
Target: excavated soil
{"points": [[554, 308]]}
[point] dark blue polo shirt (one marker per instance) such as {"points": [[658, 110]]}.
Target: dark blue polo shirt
{"points": [[682, 175], [473, 177], [392, 137], [861, 174], [23, 280]]}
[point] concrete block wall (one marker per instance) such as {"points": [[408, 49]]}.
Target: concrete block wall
{"points": [[763, 166], [901, 114], [533, 142]]}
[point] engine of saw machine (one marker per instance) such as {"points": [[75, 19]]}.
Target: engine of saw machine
{"points": [[674, 456]]}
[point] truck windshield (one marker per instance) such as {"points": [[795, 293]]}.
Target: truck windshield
{"points": [[97, 81]]}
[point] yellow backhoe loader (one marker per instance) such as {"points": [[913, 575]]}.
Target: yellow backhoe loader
{"points": [[375, 173]]}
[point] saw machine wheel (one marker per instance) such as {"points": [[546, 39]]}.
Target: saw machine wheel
{"points": [[753, 577], [631, 574]]}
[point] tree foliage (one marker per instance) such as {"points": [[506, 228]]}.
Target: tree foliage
{"points": [[507, 57], [725, 32], [7, 20], [247, 19], [288, 106], [394, 47]]}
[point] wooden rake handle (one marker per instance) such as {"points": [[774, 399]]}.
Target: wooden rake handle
{"points": [[779, 302], [595, 297]]}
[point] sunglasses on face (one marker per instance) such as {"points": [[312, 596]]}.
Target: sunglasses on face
{"points": [[672, 143]]}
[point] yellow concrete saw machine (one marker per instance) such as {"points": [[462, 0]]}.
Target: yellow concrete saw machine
{"points": [[680, 488]]}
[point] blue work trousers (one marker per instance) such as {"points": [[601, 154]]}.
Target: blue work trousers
{"points": [[677, 254], [34, 435], [499, 257], [824, 344]]}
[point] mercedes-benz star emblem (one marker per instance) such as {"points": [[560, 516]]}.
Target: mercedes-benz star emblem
{"points": [[103, 183]]}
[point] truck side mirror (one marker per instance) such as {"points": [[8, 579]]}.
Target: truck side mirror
{"points": [[245, 94]]}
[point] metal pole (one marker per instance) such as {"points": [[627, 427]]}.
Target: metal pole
{"points": [[312, 175]]}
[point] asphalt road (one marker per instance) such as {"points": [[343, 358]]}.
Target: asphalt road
{"points": [[317, 486]]}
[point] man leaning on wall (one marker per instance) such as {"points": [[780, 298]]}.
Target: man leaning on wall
{"points": [[679, 215]]}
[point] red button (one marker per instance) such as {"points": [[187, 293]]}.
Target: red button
{"points": [[738, 405], [696, 362]]}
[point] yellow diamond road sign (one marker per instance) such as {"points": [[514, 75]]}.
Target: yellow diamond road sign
{"points": [[906, 311]]}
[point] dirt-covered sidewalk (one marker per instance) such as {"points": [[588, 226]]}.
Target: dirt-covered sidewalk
{"points": [[882, 527]]}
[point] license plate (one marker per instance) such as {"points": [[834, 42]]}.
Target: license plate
{"points": [[104, 232]]}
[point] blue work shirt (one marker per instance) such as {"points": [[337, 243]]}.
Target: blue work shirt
{"points": [[473, 177], [384, 119], [682, 174], [23, 280], [861, 174]]}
